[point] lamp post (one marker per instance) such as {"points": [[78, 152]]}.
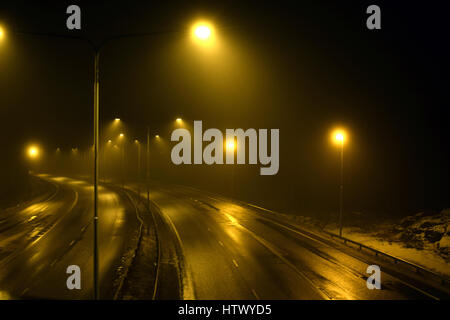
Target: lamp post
{"points": [[340, 139], [202, 32], [122, 156], [138, 144], [231, 150], [96, 114], [138, 174], [147, 176]]}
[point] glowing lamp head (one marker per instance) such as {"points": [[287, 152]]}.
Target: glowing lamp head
{"points": [[231, 145], [33, 152], [339, 137], [202, 32], [179, 120], [2, 33], [117, 119], [121, 135], [157, 136]]}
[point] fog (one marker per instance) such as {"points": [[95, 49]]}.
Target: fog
{"points": [[304, 72]]}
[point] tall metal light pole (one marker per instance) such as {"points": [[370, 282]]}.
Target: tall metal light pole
{"points": [[147, 178], [231, 148], [341, 189], [201, 32], [121, 137], [96, 113], [339, 136], [138, 158]]}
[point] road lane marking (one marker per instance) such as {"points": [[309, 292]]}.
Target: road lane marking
{"points": [[342, 266], [297, 232], [221, 243], [187, 281], [75, 201], [276, 252], [272, 221], [255, 294], [291, 228], [235, 263]]}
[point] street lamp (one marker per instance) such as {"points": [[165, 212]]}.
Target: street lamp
{"points": [[205, 36], [106, 166], [203, 33], [138, 159], [339, 137], [122, 144], [230, 152], [2, 33], [231, 146], [33, 152]]}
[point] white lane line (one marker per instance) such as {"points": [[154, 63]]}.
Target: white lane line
{"points": [[25, 291], [53, 263], [71, 243], [75, 201], [235, 263], [320, 241], [221, 243], [255, 294], [187, 281], [276, 252]]}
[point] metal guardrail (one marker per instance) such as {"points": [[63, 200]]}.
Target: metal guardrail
{"points": [[419, 269]]}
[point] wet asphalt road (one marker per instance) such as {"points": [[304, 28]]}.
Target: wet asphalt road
{"points": [[233, 251], [40, 240], [211, 248]]}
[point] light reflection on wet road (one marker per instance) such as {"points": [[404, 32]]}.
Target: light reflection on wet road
{"points": [[44, 238], [230, 250], [234, 252]]}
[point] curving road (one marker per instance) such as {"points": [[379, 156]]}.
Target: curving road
{"points": [[235, 251], [210, 247], [39, 240]]}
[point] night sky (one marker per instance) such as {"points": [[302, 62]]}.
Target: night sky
{"points": [[302, 67]]}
